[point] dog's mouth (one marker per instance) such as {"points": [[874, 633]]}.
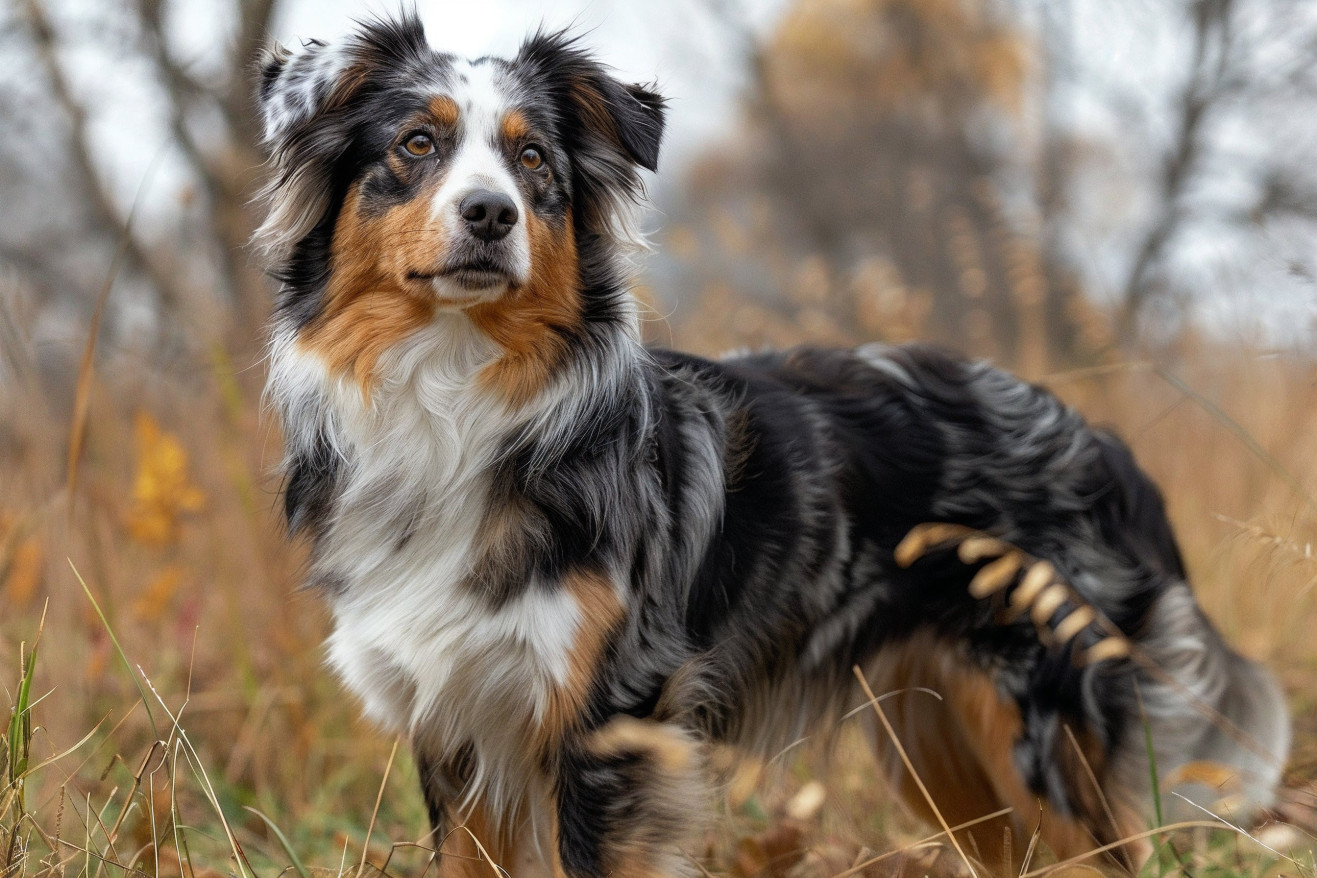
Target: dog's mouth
{"points": [[474, 276]]}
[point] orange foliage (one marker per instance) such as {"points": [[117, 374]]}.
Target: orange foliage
{"points": [[897, 53], [162, 489], [21, 576], [156, 599]]}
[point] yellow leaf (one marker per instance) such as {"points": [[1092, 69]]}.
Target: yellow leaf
{"points": [[162, 489], [23, 575]]}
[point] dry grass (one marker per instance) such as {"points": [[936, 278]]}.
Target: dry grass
{"points": [[204, 737]]}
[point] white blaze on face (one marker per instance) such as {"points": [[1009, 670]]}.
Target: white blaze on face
{"points": [[479, 164]]}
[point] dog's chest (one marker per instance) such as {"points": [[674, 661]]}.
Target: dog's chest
{"points": [[413, 638]]}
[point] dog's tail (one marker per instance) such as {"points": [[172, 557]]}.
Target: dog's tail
{"points": [[1217, 721], [1116, 712]]}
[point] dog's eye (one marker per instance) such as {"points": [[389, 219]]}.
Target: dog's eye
{"points": [[419, 145], [531, 158]]}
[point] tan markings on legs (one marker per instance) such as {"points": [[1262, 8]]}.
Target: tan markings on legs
{"points": [[669, 777], [1047, 604], [1079, 619], [924, 538], [978, 548], [996, 575], [1040, 592], [669, 749], [1106, 649], [481, 846], [475, 848], [529, 322], [1039, 577]]}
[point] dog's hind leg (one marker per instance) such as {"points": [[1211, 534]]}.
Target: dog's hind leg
{"points": [[1070, 720], [631, 796], [959, 733], [476, 845]]}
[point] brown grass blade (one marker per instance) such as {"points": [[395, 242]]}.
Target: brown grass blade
{"points": [[861, 866], [86, 368], [379, 797]]}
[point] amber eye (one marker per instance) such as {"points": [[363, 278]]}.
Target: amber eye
{"points": [[531, 158], [419, 145]]}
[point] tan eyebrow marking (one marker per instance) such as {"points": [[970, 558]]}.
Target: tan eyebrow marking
{"points": [[515, 126], [444, 110]]}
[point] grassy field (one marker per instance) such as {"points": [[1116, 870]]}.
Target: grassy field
{"points": [[171, 715]]}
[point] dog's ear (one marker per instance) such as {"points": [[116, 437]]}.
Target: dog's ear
{"points": [[640, 123], [625, 118], [309, 116], [611, 128], [295, 85]]}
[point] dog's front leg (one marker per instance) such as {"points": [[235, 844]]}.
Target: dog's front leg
{"points": [[474, 841], [631, 795], [463, 843]]}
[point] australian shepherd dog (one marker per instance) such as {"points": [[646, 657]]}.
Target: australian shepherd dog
{"points": [[573, 569]]}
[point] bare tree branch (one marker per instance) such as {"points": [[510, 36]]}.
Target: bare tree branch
{"points": [[765, 106], [227, 170], [88, 177], [1206, 88], [181, 89], [254, 20]]}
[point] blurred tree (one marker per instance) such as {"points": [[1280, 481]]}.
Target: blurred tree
{"points": [[67, 212], [1224, 165], [905, 167], [931, 167], [869, 180]]}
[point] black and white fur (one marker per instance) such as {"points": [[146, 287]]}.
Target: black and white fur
{"points": [[566, 564]]}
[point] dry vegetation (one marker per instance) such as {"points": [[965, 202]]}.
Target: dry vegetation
{"points": [[175, 719], [179, 712]]}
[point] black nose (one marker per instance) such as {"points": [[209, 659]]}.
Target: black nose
{"points": [[489, 215]]}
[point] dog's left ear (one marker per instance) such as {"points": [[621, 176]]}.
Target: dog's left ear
{"points": [[638, 115], [611, 128]]}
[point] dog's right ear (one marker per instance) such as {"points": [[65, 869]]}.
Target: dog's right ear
{"points": [[295, 85], [296, 94], [612, 128], [309, 116]]}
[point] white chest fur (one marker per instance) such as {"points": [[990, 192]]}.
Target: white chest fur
{"points": [[413, 641]]}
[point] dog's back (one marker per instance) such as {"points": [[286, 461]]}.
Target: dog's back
{"points": [[1060, 647]]}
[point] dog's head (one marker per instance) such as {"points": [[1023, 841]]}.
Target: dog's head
{"points": [[408, 181]]}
